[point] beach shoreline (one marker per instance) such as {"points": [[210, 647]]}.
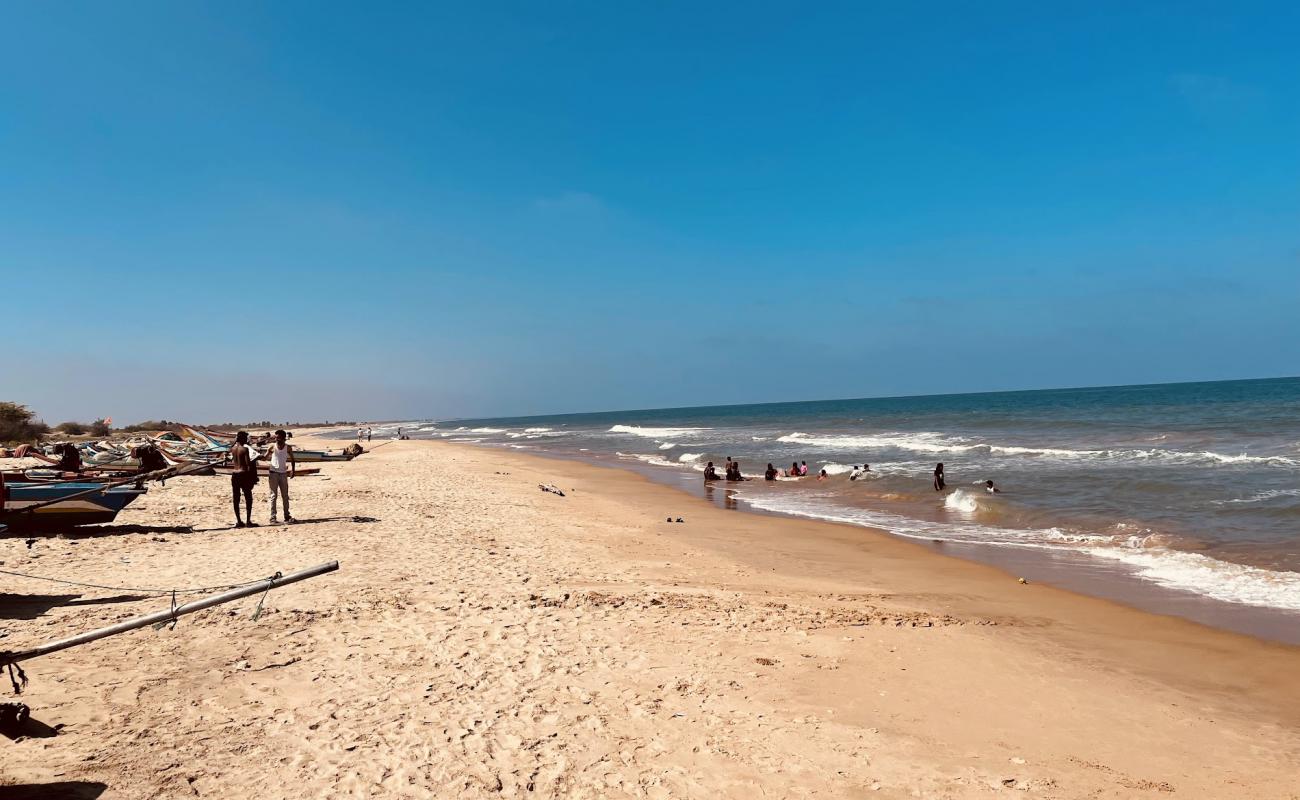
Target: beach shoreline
{"points": [[484, 638], [1072, 570]]}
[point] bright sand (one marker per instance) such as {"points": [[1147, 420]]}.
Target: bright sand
{"points": [[485, 638]]}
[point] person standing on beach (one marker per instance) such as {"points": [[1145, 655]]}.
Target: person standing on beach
{"points": [[283, 467], [938, 477], [243, 478], [367, 435]]}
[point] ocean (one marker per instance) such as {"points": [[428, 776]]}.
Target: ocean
{"points": [[1194, 487]]}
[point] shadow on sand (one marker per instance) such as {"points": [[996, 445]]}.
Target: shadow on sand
{"points": [[62, 790], [31, 606], [93, 531]]}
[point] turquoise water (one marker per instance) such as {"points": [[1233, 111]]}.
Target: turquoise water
{"points": [[1194, 487]]}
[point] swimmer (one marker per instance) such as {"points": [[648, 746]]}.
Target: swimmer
{"points": [[822, 476], [939, 483], [990, 488], [803, 468], [771, 473], [710, 473]]}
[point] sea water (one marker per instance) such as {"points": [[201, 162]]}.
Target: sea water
{"points": [[1193, 487]]}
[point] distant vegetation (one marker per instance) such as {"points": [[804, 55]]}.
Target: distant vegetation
{"points": [[151, 425], [18, 424], [99, 428]]}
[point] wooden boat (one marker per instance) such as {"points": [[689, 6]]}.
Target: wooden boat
{"points": [[263, 468], [62, 505], [309, 456]]}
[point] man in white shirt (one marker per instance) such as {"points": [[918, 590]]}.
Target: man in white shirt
{"points": [[283, 466]]}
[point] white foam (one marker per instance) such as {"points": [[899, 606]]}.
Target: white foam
{"points": [[488, 430], [961, 501], [929, 442], [538, 430], [1261, 497], [655, 433], [649, 459], [667, 445], [837, 469], [1221, 580], [690, 456], [1142, 555]]}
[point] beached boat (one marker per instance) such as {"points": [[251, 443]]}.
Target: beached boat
{"points": [[31, 506], [320, 455]]}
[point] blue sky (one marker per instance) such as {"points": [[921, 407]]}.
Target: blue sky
{"points": [[321, 210]]}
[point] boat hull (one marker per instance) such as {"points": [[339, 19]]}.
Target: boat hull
{"points": [[90, 509]]}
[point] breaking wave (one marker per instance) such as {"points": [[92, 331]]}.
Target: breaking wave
{"points": [[926, 442], [655, 433], [1145, 557], [961, 501]]}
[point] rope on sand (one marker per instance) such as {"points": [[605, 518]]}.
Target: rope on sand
{"points": [[195, 590]]}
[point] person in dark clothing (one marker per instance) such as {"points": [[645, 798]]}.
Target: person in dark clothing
{"points": [[151, 458], [710, 472], [243, 478], [771, 473], [69, 458], [938, 477]]}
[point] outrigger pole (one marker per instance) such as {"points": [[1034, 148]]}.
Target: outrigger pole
{"points": [[264, 585]]}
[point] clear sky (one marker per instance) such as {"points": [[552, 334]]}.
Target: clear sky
{"points": [[374, 210]]}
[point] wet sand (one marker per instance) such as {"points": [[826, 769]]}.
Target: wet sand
{"points": [[485, 638]]}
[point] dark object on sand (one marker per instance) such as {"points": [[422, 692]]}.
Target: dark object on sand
{"points": [[549, 488], [13, 716]]}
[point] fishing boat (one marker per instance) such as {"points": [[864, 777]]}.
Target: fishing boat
{"points": [[42, 506], [320, 455]]}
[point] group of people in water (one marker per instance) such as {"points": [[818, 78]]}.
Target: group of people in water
{"points": [[799, 469]]}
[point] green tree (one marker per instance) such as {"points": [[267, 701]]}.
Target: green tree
{"points": [[99, 428], [70, 428], [19, 424]]}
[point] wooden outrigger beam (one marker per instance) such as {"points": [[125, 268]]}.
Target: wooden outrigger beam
{"points": [[11, 659]]}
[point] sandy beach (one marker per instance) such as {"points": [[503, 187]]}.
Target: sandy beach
{"points": [[484, 638]]}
